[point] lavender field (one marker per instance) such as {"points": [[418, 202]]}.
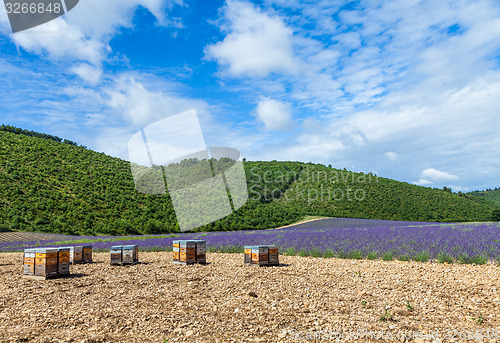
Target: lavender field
{"points": [[345, 238]]}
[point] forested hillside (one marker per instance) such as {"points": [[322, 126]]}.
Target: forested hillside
{"points": [[490, 194], [49, 186]]}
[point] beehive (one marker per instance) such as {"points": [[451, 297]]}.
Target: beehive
{"points": [[261, 255], [187, 251], [46, 262], [201, 251], [273, 255], [116, 254], [76, 254], [190, 251], [63, 261], [29, 262], [176, 250], [130, 254], [124, 254], [248, 254], [87, 253]]}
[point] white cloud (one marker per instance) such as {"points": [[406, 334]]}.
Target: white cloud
{"points": [[423, 182], [258, 45], [275, 115], [88, 73], [140, 106], [391, 155], [83, 34], [437, 175], [59, 40], [457, 130]]}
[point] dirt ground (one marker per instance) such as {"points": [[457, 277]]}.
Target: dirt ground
{"points": [[305, 300]]}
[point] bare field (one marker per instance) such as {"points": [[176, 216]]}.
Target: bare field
{"points": [[225, 301]]}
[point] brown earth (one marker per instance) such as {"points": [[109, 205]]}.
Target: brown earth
{"points": [[225, 301]]}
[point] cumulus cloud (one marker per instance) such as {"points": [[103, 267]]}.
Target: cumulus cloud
{"points": [[437, 175], [140, 105], [423, 182], [88, 73], [274, 114], [83, 34], [59, 40], [258, 43], [431, 175]]}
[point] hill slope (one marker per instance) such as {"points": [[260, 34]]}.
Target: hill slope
{"points": [[49, 186], [490, 194]]}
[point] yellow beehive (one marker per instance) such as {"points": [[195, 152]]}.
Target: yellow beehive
{"points": [[46, 262]]}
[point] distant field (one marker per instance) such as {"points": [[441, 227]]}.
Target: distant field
{"points": [[8, 237]]}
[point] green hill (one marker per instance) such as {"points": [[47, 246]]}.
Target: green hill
{"points": [[52, 185], [490, 194]]}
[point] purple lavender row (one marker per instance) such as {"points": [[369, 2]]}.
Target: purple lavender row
{"points": [[393, 241]]}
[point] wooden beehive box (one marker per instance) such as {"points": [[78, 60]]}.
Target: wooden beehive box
{"points": [[87, 253], [201, 251], [176, 251], [130, 254], [124, 254], [187, 251], [190, 251], [63, 261], [29, 261], [46, 262], [116, 254], [273, 255], [76, 254], [248, 254], [262, 255]]}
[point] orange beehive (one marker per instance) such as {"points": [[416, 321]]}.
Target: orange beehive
{"points": [[261, 255], [189, 251], [176, 250], [87, 253], [248, 254], [63, 261], [46, 262]]}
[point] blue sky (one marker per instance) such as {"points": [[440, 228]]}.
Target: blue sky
{"points": [[407, 89]]}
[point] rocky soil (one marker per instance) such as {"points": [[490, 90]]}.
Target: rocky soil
{"points": [[304, 300]]}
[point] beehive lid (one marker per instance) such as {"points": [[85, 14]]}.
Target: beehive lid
{"points": [[117, 247], [77, 248], [31, 250], [46, 250], [251, 247], [63, 249], [87, 246], [129, 246]]}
